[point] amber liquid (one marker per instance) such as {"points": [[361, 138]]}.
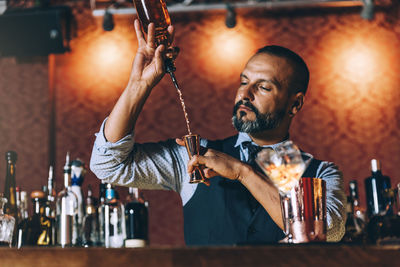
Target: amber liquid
{"points": [[184, 109], [154, 11]]}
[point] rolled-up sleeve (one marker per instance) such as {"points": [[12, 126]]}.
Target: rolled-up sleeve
{"points": [[335, 200], [149, 166]]}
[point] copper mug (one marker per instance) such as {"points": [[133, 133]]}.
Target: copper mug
{"points": [[305, 212]]}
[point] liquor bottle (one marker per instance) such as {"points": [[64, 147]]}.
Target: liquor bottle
{"points": [[156, 11], [36, 230], [355, 201], [9, 188], [102, 191], [385, 229], [77, 174], [136, 219], [375, 186], [67, 209], [7, 223], [114, 220], [51, 195], [100, 211], [48, 209], [24, 205], [90, 224], [355, 222], [18, 201]]}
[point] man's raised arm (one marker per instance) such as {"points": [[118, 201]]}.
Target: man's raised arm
{"points": [[147, 71]]}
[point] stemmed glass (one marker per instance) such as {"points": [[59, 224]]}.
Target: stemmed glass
{"points": [[284, 166]]}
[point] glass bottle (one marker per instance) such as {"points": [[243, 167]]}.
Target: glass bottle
{"points": [[51, 195], [36, 230], [100, 211], [114, 220], [18, 201], [156, 11], [24, 205], [136, 219], [9, 188], [90, 224], [7, 223], [78, 172], [23, 211], [355, 222], [67, 209], [49, 204], [375, 186], [355, 201], [385, 229]]}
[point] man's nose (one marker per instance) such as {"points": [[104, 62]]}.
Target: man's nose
{"points": [[246, 93]]}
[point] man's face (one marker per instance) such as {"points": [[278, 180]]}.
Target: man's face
{"points": [[261, 101]]}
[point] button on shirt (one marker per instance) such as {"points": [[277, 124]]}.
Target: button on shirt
{"points": [[163, 165]]}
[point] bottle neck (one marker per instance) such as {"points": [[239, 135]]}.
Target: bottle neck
{"points": [[170, 66], [50, 183], [169, 62], [354, 196], [110, 194], [50, 188], [67, 179], [349, 206], [36, 206], [10, 190], [10, 169], [102, 190], [89, 198], [133, 194], [355, 203], [67, 172], [10, 183]]}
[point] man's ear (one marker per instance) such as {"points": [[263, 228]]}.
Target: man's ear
{"points": [[297, 103]]}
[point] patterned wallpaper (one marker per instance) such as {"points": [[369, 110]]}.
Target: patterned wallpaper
{"points": [[351, 113]]}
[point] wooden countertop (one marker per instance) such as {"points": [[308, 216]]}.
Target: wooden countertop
{"points": [[279, 255]]}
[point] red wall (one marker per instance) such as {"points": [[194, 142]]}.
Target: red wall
{"points": [[351, 113]]}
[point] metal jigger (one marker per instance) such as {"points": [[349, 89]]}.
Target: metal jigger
{"points": [[192, 144]]}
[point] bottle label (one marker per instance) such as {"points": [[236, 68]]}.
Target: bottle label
{"points": [[110, 194]]}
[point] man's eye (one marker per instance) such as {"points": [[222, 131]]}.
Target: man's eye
{"points": [[264, 88], [243, 83]]}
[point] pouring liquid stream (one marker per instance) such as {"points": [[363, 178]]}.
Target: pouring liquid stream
{"points": [[182, 101]]}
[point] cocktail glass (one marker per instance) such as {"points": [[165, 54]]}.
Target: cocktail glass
{"points": [[284, 166]]}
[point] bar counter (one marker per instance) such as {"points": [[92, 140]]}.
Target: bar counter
{"points": [[278, 255]]}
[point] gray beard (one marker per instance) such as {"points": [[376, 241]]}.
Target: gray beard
{"points": [[267, 121]]}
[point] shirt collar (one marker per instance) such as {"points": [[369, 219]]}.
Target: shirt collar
{"points": [[244, 137]]}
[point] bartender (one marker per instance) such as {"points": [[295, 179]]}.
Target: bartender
{"points": [[240, 206]]}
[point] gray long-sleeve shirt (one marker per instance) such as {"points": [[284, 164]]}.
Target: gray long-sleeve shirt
{"points": [[163, 165]]}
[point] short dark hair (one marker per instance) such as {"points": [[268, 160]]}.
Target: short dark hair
{"points": [[301, 75]]}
